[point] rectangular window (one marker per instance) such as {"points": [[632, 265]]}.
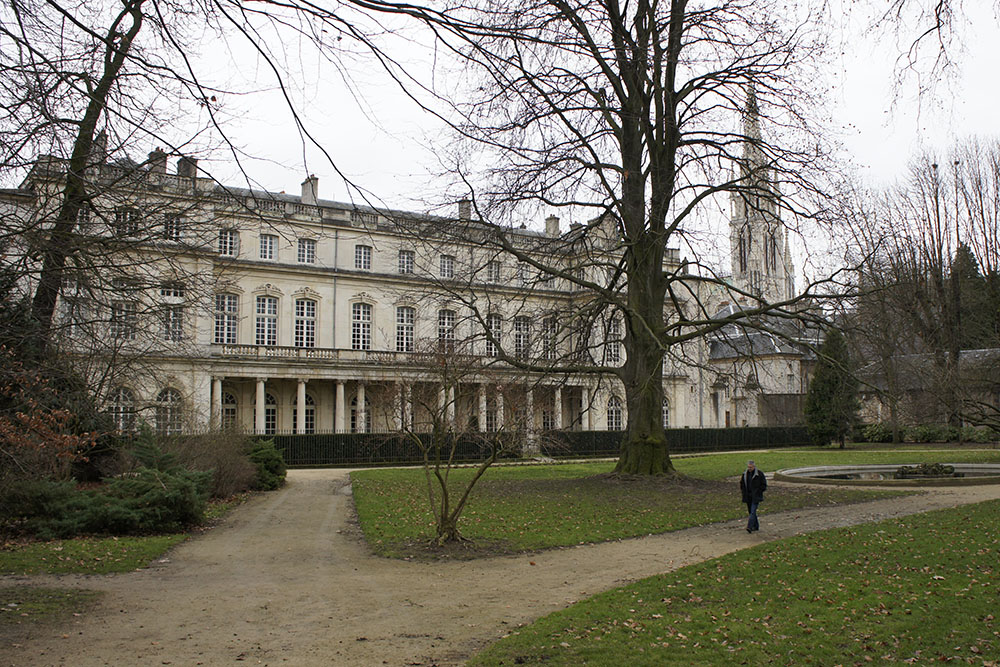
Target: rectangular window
{"points": [[523, 274], [548, 421], [447, 266], [493, 272], [83, 217], [172, 225], [226, 318], [228, 242], [522, 335], [172, 290], [549, 334], [268, 246], [267, 320], [405, 317], [123, 320], [307, 251], [446, 330], [406, 261], [363, 257], [127, 222], [173, 323], [361, 326], [493, 323], [305, 323], [613, 350]]}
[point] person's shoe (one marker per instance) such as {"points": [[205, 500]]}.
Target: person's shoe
{"points": [[749, 530]]}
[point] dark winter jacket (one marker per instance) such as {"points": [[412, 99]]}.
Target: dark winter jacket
{"points": [[754, 491]]}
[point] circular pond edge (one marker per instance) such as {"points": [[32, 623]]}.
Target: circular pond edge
{"points": [[808, 474]]}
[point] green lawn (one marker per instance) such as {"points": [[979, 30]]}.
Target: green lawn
{"points": [[918, 590], [86, 555], [521, 508], [27, 605]]}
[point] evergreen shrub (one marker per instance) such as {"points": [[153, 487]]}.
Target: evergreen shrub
{"points": [[271, 469]]}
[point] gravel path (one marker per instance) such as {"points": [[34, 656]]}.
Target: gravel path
{"points": [[286, 580]]}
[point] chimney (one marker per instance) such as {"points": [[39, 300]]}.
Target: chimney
{"points": [[310, 190], [187, 167], [465, 209], [158, 161], [552, 225]]}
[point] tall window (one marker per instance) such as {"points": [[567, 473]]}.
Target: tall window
{"points": [[83, 217], [666, 413], [124, 315], [494, 323], [267, 320], [493, 271], [123, 409], [361, 326], [363, 257], [127, 222], [446, 330], [447, 266], [310, 416], [523, 274], [549, 334], [406, 261], [613, 347], [172, 225], [228, 411], [522, 335], [615, 420], [173, 323], [305, 323], [270, 415], [268, 246], [228, 242], [168, 412], [405, 317], [226, 318], [548, 420], [307, 251]]}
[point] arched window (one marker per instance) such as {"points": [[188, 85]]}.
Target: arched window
{"points": [[666, 413], [228, 411], [615, 421], [123, 409], [310, 425], [354, 415], [270, 415], [168, 412]]}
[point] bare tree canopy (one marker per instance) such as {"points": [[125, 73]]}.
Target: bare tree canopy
{"points": [[638, 121]]}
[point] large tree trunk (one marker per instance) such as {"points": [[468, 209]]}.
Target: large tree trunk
{"points": [[644, 448]]}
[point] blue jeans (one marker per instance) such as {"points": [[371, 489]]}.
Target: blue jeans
{"points": [[752, 523]]}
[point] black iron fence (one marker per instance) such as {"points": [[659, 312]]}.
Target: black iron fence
{"points": [[362, 449]]}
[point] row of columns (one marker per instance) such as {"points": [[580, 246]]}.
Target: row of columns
{"points": [[403, 414]]}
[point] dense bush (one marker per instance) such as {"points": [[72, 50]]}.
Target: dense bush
{"points": [[269, 463], [225, 454], [879, 432]]}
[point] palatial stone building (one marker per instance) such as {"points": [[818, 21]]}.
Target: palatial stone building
{"points": [[290, 313]]}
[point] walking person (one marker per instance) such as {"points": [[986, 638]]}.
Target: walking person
{"points": [[753, 483]]}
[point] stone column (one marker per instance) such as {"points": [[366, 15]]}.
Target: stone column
{"points": [[397, 407], [258, 408], [557, 408], [361, 415], [338, 409], [482, 407], [451, 407], [216, 417], [499, 408], [300, 407]]}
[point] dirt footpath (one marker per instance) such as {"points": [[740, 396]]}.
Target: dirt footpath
{"points": [[285, 580]]}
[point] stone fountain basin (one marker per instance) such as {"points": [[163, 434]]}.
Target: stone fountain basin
{"points": [[882, 475]]}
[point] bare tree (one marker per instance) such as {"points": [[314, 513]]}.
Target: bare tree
{"points": [[636, 121]]}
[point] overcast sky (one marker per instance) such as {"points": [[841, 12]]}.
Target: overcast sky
{"points": [[381, 146]]}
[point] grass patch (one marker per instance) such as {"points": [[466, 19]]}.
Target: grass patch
{"points": [[915, 590], [524, 508], [29, 605], [85, 555]]}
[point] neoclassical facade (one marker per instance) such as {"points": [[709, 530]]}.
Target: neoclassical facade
{"points": [[290, 313]]}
